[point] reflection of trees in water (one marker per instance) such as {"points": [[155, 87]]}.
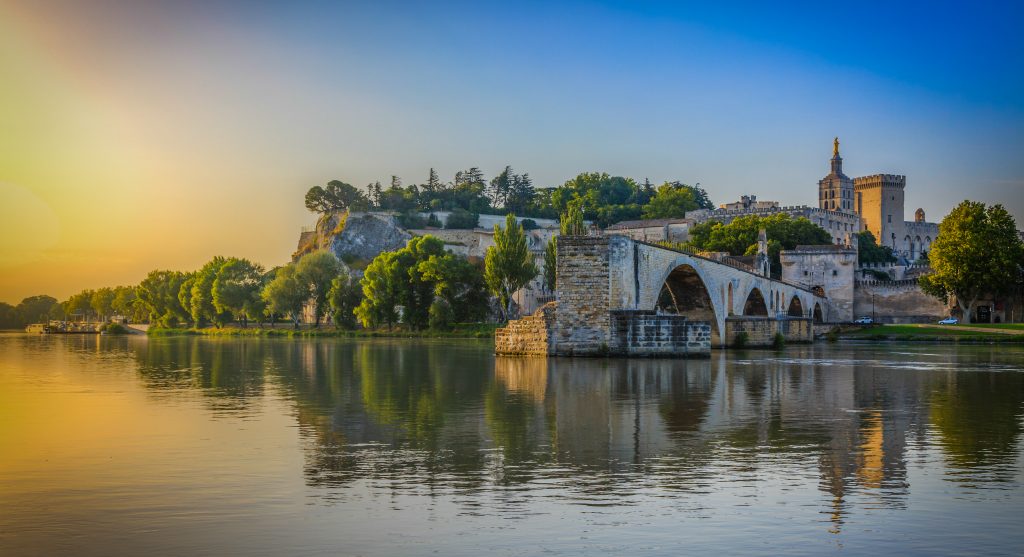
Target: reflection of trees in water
{"points": [[411, 415], [978, 417], [518, 420], [230, 372], [431, 415]]}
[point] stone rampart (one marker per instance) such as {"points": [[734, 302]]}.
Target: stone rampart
{"points": [[896, 302]]}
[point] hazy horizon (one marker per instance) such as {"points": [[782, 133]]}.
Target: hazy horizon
{"points": [[151, 136]]}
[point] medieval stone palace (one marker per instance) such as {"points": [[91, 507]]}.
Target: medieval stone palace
{"points": [[845, 206]]}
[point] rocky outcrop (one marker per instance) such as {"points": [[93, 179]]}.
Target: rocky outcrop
{"points": [[355, 236]]}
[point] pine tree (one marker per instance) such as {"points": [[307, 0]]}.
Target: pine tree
{"points": [[433, 184]]}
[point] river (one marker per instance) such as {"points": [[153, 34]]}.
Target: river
{"points": [[171, 446]]}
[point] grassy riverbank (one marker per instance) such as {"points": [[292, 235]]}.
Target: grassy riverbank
{"points": [[973, 333], [464, 330]]}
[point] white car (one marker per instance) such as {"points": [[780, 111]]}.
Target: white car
{"points": [[949, 321], [864, 320]]}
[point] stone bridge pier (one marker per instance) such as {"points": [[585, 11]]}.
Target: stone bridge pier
{"points": [[624, 297]]}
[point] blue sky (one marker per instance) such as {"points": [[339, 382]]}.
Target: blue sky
{"points": [[222, 114]]}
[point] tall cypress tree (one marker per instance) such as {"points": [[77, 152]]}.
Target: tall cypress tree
{"points": [[508, 265]]}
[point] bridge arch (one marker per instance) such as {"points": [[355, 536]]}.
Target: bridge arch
{"points": [[755, 304], [684, 291], [796, 308]]}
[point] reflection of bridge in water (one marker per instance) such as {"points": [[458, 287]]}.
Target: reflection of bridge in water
{"points": [[620, 296]]}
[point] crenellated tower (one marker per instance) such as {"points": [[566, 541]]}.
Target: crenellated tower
{"points": [[880, 206]]}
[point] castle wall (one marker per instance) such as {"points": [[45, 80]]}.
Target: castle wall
{"points": [[899, 301]]}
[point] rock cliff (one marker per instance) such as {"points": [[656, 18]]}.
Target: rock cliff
{"points": [[354, 236]]}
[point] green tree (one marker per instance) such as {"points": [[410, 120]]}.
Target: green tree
{"points": [[286, 293], [739, 237], [336, 196], [977, 252], [433, 184], [344, 297], [551, 264], [508, 265], [461, 219], [413, 278], [236, 289], [185, 296], [459, 287], [9, 318], [522, 194], [201, 305], [35, 309], [672, 200], [571, 223], [501, 187], [79, 305], [868, 250], [159, 295], [127, 304], [102, 302], [317, 270], [382, 284]]}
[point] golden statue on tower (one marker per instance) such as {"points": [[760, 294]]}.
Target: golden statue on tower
{"points": [[835, 147]]}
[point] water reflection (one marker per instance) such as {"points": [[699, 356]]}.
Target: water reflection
{"points": [[833, 429], [449, 417]]}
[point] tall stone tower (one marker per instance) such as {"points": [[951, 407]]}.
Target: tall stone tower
{"points": [[880, 206], [835, 191]]}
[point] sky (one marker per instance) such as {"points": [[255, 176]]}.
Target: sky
{"points": [[155, 135]]}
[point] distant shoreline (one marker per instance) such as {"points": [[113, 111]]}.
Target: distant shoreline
{"points": [[469, 331]]}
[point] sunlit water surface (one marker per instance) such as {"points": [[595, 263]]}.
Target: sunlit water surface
{"points": [[171, 446]]}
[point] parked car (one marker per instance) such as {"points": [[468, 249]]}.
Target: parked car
{"points": [[949, 321], [864, 320]]}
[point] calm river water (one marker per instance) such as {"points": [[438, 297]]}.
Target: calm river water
{"points": [[172, 446]]}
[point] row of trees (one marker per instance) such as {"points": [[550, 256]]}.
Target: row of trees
{"points": [[229, 289], [739, 237], [33, 309], [420, 285], [603, 198]]}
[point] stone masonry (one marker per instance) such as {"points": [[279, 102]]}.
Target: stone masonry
{"points": [[611, 301], [529, 336]]}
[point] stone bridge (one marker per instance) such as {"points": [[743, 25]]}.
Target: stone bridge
{"points": [[620, 296]]}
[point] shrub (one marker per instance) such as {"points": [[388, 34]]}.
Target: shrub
{"points": [[779, 342], [461, 219], [529, 224], [412, 219], [833, 335], [433, 221], [114, 329], [878, 275], [741, 339], [441, 315]]}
